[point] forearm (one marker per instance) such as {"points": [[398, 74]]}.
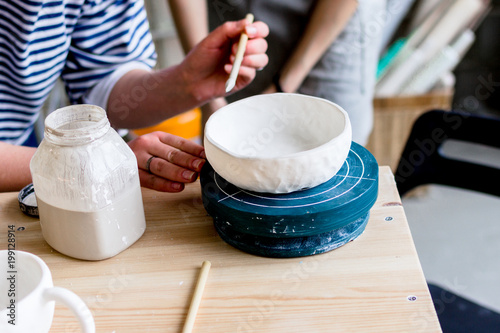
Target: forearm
{"points": [[326, 22], [141, 98], [165, 91], [191, 21], [14, 167]]}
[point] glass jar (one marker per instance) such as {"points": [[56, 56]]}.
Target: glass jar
{"points": [[87, 185]]}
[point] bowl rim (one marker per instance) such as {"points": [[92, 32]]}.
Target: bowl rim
{"points": [[324, 146]]}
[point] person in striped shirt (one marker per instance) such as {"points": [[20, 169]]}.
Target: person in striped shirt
{"points": [[103, 52]]}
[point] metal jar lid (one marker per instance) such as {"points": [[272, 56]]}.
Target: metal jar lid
{"points": [[27, 201]]}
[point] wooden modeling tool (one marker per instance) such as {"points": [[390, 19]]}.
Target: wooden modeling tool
{"points": [[196, 300], [242, 44]]}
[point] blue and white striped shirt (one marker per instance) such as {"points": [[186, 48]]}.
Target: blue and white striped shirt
{"points": [[82, 41]]}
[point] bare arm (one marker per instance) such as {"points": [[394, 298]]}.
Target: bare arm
{"points": [[14, 167], [327, 21], [143, 98]]}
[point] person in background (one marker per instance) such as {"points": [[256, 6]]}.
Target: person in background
{"points": [[324, 48], [104, 53]]}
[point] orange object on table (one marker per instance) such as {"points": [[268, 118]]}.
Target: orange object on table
{"points": [[186, 125]]}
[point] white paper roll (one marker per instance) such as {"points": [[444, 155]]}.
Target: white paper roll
{"points": [[443, 62]]}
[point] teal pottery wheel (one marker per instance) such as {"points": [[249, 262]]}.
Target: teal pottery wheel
{"points": [[300, 223]]}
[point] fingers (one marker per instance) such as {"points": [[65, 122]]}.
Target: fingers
{"points": [[248, 68], [173, 161], [179, 151], [245, 74], [156, 180], [233, 29], [158, 183], [254, 58], [177, 159], [254, 47], [256, 30], [173, 170], [254, 61], [206, 66]]}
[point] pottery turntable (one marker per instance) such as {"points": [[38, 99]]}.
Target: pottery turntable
{"points": [[295, 224], [284, 178]]}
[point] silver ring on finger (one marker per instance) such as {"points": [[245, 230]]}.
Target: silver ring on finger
{"points": [[148, 164]]}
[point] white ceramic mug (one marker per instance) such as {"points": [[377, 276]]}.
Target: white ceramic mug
{"points": [[27, 296]]}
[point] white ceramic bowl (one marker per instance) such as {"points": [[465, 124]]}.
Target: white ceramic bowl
{"points": [[278, 143]]}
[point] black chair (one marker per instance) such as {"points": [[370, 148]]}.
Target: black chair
{"points": [[423, 162]]}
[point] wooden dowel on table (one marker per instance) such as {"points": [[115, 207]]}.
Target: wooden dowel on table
{"points": [[196, 300]]}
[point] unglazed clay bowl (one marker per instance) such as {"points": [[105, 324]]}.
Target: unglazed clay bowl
{"points": [[278, 143]]}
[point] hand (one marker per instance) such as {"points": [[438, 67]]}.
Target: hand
{"points": [[175, 161], [206, 68]]}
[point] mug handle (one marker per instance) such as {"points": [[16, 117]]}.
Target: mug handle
{"points": [[75, 304]]}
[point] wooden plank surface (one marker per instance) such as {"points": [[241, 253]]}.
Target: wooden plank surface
{"points": [[373, 284]]}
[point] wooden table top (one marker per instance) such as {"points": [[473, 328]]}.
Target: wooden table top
{"points": [[373, 284]]}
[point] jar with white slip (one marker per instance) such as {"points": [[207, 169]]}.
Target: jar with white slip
{"points": [[87, 186]]}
